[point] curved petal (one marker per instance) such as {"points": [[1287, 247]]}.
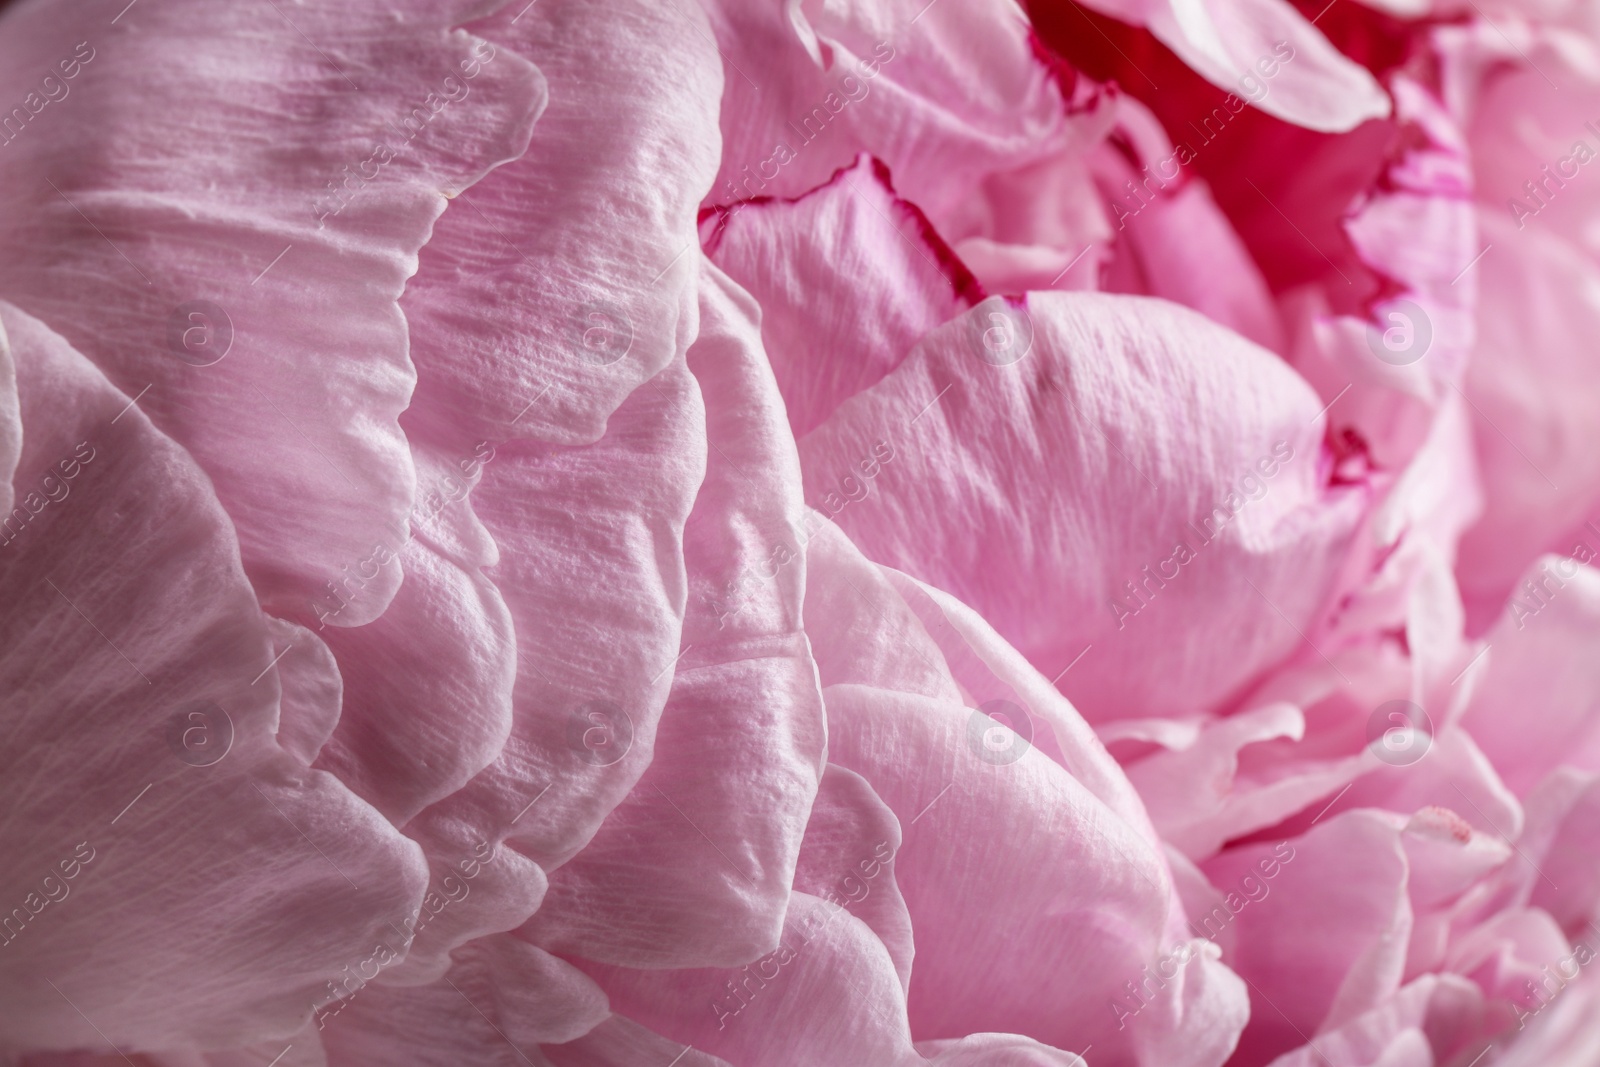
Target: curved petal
{"points": [[568, 281], [501, 998], [230, 214], [1538, 661], [1076, 514], [591, 561], [849, 277], [694, 867], [144, 747], [1318, 927]]}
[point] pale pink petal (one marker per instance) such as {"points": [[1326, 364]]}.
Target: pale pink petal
{"points": [[567, 278], [828, 966], [312, 689], [996, 1050], [1538, 664], [1535, 400], [1425, 1023], [1172, 240], [501, 998], [621, 1042], [694, 868], [197, 210], [183, 880], [849, 277], [847, 859], [945, 95], [591, 561], [1074, 512], [1318, 926], [427, 687]]}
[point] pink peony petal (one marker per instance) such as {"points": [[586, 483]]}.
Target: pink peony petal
{"points": [[567, 280], [501, 998], [694, 868], [184, 880], [1123, 524], [218, 241], [849, 277], [1537, 663]]}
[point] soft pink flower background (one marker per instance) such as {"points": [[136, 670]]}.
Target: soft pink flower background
{"points": [[795, 533]]}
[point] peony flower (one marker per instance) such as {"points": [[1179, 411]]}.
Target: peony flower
{"points": [[767, 535]]}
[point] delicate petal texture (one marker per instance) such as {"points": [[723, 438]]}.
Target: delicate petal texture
{"points": [[826, 960], [945, 95], [1320, 938], [564, 285], [851, 839], [308, 709], [591, 541], [694, 867], [428, 686], [1539, 666], [1120, 525], [849, 277], [195, 828], [1020, 833], [208, 143], [500, 999]]}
